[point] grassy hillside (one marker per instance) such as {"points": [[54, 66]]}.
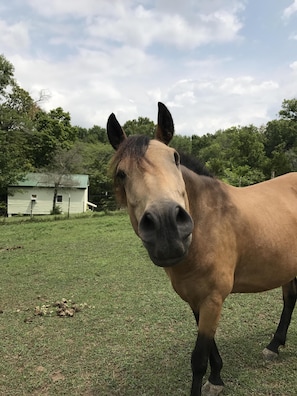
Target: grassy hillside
{"points": [[121, 330]]}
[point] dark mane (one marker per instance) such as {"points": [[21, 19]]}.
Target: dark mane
{"points": [[194, 164]]}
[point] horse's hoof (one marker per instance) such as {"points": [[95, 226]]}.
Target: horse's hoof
{"points": [[269, 355], [209, 389]]}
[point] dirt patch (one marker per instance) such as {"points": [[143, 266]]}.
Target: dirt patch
{"points": [[63, 308], [10, 248], [57, 376]]}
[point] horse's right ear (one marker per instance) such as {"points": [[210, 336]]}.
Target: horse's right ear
{"points": [[115, 132], [165, 127]]}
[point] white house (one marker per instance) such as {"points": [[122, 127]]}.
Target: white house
{"points": [[35, 194]]}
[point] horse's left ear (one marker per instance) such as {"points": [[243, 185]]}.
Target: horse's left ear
{"points": [[165, 127], [115, 132]]}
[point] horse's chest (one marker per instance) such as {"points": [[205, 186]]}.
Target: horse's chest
{"points": [[190, 286]]}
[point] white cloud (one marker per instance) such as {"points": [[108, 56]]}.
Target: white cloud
{"points": [[214, 104], [293, 66], [246, 85], [14, 37], [76, 8], [289, 11], [146, 24], [97, 84], [97, 57], [90, 84], [143, 27]]}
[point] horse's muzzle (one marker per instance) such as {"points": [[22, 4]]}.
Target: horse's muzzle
{"points": [[166, 232]]}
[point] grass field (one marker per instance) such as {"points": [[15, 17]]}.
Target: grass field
{"points": [[132, 335]]}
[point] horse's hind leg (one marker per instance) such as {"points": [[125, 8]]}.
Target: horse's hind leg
{"points": [[279, 338]]}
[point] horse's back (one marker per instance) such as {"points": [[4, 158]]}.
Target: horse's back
{"points": [[278, 194], [287, 181]]}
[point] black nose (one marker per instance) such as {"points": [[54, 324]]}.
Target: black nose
{"points": [[165, 229]]}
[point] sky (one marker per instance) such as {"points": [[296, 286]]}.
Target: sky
{"points": [[214, 63]]}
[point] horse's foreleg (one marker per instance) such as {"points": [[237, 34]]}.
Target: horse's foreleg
{"points": [[216, 363], [199, 362], [279, 338], [205, 348]]}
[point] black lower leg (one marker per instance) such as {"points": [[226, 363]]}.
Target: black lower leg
{"points": [[199, 362], [289, 301], [215, 361], [216, 365]]}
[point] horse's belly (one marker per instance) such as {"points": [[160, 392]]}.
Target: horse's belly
{"points": [[264, 276]]}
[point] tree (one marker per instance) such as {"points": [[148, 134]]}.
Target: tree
{"points": [[16, 120], [96, 158], [59, 171], [236, 154], [92, 135], [280, 144], [52, 131], [58, 124], [141, 126], [182, 144], [201, 142], [97, 134], [289, 109], [6, 74]]}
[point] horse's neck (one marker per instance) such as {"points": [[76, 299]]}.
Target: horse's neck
{"points": [[205, 192], [197, 184]]}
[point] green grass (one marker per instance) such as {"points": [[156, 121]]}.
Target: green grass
{"points": [[133, 335]]}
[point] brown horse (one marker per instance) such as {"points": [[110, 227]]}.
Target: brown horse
{"points": [[211, 238]]}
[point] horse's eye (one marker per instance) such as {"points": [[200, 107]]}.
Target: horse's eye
{"points": [[176, 158], [121, 175]]}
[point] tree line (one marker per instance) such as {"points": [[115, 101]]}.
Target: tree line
{"points": [[35, 140]]}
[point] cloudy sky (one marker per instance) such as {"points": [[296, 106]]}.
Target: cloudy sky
{"points": [[214, 63]]}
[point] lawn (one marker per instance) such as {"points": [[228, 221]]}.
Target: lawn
{"points": [[121, 330]]}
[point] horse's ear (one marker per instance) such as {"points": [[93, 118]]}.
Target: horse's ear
{"points": [[165, 127], [115, 132]]}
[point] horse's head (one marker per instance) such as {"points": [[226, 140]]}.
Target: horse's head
{"points": [[148, 180]]}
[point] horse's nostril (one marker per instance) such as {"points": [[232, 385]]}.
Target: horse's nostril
{"points": [[181, 215], [147, 222], [184, 222]]}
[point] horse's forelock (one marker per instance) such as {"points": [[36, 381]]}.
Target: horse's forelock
{"points": [[134, 147]]}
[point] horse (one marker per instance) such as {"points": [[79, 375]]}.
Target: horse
{"points": [[211, 238]]}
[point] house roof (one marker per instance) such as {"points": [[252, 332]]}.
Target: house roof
{"points": [[49, 180]]}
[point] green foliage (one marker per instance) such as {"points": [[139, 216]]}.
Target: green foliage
{"points": [[56, 210], [289, 109], [141, 126], [281, 145], [96, 158], [201, 142], [236, 155], [52, 132], [93, 135], [182, 144], [243, 176], [15, 124], [6, 74]]}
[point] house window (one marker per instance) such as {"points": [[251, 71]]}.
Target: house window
{"points": [[59, 198]]}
